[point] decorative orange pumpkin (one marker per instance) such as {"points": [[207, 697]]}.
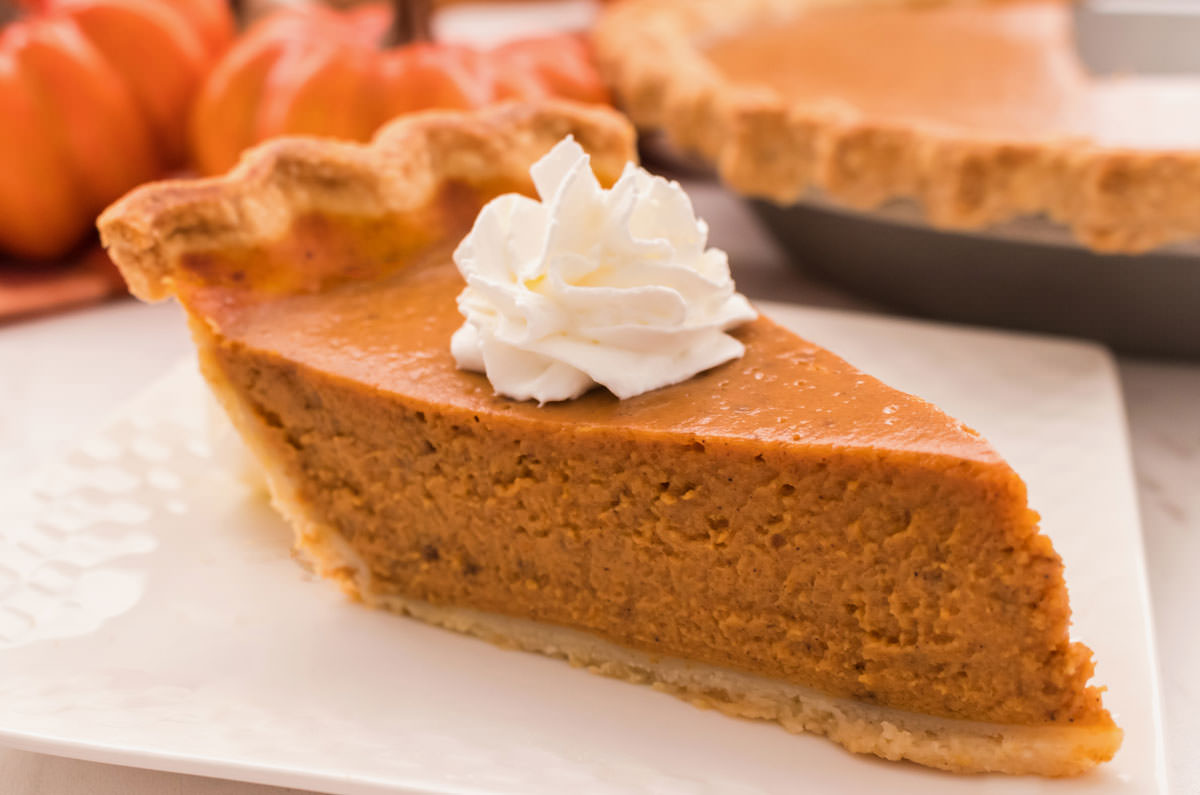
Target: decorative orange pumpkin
{"points": [[94, 97], [320, 71]]}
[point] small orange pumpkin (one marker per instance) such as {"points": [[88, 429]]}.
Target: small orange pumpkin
{"points": [[94, 96], [319, 71]]}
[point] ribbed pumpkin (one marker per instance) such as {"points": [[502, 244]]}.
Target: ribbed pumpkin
{"points": [[320, 71], [94, 97]]}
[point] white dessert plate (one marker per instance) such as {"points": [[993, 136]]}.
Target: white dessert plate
{"points": [[150, 615]]}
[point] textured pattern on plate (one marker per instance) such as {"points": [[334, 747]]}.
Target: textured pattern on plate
{"points": [[61, 570], [152, 615]]}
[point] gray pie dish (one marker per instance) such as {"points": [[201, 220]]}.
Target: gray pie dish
{"points": [[1027, 274]]}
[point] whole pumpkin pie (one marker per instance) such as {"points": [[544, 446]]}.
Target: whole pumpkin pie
{"points": [[779, 537], [980, 111]]}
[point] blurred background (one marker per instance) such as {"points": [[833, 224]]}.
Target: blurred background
{"points": [[99, 96]]}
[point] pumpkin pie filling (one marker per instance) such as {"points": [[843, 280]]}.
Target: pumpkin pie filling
{"points": [[782, 516], [922, 66], [702, 518]]}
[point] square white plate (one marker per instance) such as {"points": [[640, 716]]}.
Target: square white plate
{"points": [[150, 615]]}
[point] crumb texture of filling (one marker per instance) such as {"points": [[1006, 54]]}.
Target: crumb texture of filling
{"points": [[908, 582]]}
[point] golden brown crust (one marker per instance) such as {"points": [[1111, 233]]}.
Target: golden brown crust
{"points": [[1115, 200], [148, 231], [958, 746]]}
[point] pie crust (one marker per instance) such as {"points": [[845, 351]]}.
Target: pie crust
{"points": [[1113, 199], [148, 231]]}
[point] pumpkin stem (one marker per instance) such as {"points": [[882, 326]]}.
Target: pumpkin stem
{"points": [[22, 7], [411, 22], [10, 11]]}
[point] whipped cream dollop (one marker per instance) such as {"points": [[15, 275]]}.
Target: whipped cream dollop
{"points": [[591, 286]]}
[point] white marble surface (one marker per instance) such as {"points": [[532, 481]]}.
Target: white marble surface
{"points": [[61, 376]]}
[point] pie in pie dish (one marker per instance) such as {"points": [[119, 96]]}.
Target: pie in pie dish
{"points": [[980, 111], [780, 537]]}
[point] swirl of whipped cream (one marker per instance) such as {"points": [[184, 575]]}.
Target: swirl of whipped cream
{"points": [[591, 286]]}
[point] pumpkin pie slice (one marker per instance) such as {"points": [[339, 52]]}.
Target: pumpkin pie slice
{"points": [[780, 537], [979, 111]]}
